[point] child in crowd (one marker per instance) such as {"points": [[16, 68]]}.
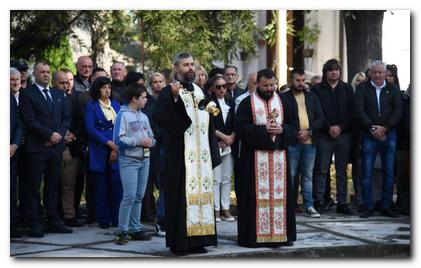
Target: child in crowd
{"points": [[134, 137]]}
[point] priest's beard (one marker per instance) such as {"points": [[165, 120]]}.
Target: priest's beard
{"points": [[265, 95], [186, 77]]}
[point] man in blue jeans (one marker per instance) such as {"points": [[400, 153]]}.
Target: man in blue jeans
{"points": [[378, 109], [134, 136], [302, 153]]}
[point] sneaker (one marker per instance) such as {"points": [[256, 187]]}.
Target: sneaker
{"points": [[122, 239], [312, 213], [217, 216], [160, 230], [226, 216], [140, 236]]}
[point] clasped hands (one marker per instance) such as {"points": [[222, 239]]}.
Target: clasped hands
{"points": [[274, 128]]}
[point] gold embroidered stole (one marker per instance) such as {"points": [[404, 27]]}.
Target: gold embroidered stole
{"points": [[270, 177], [199, 175]]}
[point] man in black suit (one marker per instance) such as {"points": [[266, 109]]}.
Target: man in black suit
{"points": [[47, 119], [16, 136], [231, 77]]}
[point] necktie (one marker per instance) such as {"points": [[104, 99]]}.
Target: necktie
{"points": [[49, 101]]}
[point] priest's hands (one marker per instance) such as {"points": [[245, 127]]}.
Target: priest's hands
{"points": [[175, 89], [273, 128]]}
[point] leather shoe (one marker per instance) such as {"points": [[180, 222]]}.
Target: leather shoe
{"points": [[366, 213], [57, 228], [36, 232], [73, 222], [343, 209], [327, 205], [387, 212], [179, 252], [14, 233]]}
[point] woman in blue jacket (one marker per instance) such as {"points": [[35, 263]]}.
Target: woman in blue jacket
{"points": [[100, 115]]}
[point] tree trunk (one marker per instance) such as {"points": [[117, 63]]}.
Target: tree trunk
{"points": [[364, 39]]}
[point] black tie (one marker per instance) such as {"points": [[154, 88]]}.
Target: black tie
{"points": [[49, 101]]}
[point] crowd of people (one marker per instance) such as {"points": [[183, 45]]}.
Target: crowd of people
{"points": [[114, 138]]}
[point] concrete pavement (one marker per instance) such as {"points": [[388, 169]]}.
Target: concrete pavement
{"points": [[332, 235]]}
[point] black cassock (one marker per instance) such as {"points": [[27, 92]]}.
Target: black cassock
{"points": [[173, 119], [253, 138]]}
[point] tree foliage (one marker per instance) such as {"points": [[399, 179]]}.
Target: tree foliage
{"points": [[208, 35], [34, 31]]}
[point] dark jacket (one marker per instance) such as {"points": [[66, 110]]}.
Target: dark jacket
{"points": [[17, 129], [313, 107], [337, 105], [77, 126], [366, 109], [120, 88], [100, 131], [80, 85], [228, 127], [40, 122]]}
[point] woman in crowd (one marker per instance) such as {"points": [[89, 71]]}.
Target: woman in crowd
{"points": [[224, 130], [100, 115]]}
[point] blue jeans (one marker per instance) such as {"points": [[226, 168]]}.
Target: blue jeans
{"points": [[303, 155], [369, 149], [134, 177]]}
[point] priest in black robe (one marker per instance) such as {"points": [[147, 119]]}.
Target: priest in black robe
{"points": [[265, 198], [190, 154]]}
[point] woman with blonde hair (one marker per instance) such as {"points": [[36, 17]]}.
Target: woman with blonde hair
{"points": [[357, 79]]}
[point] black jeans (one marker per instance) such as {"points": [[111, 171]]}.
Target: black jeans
{"points": [[326, 147]]}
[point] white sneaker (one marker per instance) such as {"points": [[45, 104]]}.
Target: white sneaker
{"points": [[226, 216], [312, 213], [217, 216]]}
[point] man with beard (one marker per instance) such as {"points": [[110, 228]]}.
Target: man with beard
{"points": [[265, 199], [302, 153], [191, 152]]}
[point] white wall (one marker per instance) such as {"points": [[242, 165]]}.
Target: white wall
{"points": [[397, 43]]}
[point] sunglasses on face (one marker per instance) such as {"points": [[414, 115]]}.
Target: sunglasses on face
{"points": [[220, 86]]}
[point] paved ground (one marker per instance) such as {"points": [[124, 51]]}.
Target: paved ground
{"points": [[332, 235]]}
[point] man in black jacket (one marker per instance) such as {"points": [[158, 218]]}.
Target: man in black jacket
{"points": [[336, 98], [378, 109], [46, 118], [303, 152]]}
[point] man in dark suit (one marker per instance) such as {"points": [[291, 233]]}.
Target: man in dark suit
{"points": [[16, 136], [46, 118]]}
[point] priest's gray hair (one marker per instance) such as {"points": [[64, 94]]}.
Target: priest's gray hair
{"points": [[181, 56], [378, 62]]}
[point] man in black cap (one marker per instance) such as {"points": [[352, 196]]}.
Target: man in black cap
{"points": [[23, 69]]}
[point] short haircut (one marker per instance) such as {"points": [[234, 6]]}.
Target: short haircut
{"points": [[55, 75], [231, 66], [330, 65], [267, 73], [376, 63], [181, 56], [298, 71], [98, 69], [95, 90], [134, 90], [14, 71], [43, 62], [134, 77]]}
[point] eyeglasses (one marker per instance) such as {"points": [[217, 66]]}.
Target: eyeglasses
{"points": [[220, 86]]}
